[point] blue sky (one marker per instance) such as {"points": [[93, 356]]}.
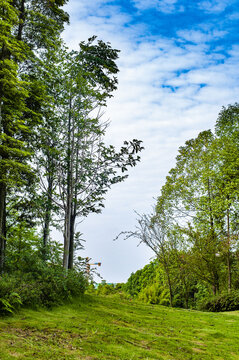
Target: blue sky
{"points": [[178, 67], [166, 17]]}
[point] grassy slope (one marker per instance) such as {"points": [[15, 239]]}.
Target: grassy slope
{"points": [[111, 328]]}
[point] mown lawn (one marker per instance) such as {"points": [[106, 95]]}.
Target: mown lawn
{"points": [[113, 328]]}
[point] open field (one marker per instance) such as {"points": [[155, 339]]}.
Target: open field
{"points": [[113, 328]]}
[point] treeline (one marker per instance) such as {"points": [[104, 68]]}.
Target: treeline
{"points": [[194, 228], [54, 164]]}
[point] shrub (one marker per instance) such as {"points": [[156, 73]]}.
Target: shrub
{"points": [[154, 294], [10, 303], [223, 302], [142, 278], [105, 289], [56, 286], [48, 287], [10, 300]]}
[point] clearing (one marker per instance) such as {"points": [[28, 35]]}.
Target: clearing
{"points": [[109, 327]]}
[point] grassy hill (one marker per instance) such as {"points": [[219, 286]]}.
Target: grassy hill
{"points": [[112, 328]]}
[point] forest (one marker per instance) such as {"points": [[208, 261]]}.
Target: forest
{"points": [[54, 164]]}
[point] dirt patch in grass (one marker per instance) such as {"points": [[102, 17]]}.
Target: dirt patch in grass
{"points": [[49, 336], [197, 350], [199, 343], [14, 354]]}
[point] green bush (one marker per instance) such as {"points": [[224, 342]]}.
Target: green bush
{"points": [[141, 278], [30, 281], [154, 294], [56, 286], [10, 299], [48, 287], [10, 303], [223, 302], [105, 289]]}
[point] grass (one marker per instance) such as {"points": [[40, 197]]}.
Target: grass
{"points": [[113, 328]]}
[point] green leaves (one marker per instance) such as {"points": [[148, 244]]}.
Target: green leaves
{"points": [[200, 198]]}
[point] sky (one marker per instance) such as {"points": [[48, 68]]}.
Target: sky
{"points": [[179, 65]]}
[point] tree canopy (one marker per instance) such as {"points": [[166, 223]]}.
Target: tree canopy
{"points": [[194, 227]]}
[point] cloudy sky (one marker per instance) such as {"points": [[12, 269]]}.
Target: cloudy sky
{"points": [[178, 66]]}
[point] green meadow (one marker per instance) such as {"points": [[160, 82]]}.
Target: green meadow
{"points": [[108, 327]]}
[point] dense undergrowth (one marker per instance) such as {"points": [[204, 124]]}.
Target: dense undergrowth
{"points": [[29, 281], [48, 287]]}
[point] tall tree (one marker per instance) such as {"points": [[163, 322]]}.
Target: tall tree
{"points": [[27, 29], [76, 168], [87, 168], [191, 196], [227, 155]]}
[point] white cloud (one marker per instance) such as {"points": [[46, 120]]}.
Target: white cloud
{"points": [[199, 36], [234, 16], [82, 8], [165, 6], [214, 6]]}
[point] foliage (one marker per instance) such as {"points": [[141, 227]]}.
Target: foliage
{"points": [[9, 297], [194, 229], [28, 29], [32, 282], [149, 285], [141, 278], [154, 294], [105, 289], [48, 287], [54, 164], [222, 302]]}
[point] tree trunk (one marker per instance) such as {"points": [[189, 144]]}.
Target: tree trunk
{"points": [[47, 219], [2, 225], [66, 240], [228, 253], [69, 193], [73, 219], [21, 20], [166, 268], [67, 226], [72, 237], [170, 288], [215, 286]]}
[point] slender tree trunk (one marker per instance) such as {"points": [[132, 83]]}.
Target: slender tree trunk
{"points": [[68, 209], [22, 19], [166, 268], [215, 286], [4, 55], [47, 219], [213, 239], [214, 290], [228, 253], [2, 225], [74, 208], [72, 236], [66, 240], [170, 288]]}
